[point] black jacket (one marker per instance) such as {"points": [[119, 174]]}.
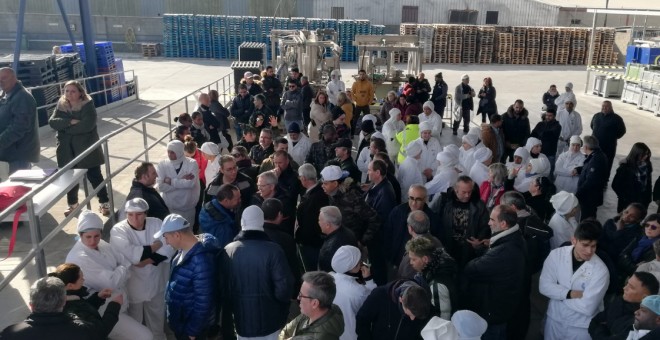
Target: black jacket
{"points": [[157, 206], [395, 231], [425, 87], [516, 127], [614, 241], [615, 322], [241, 108], [478, 228], [381, 316], [381, 197], [537, 236], [221, 113], [349, 165], [626, 264], [244, 183], [439, 96], [628, 189], [309, 232], [548, 133], [307, 96], [593, 177], [212, 124], [333, 241], [357, 215], [439, 274], [87, 309], [549, 100], [272, 90], [281, 237], [258, 153], [260, 284], [487, 104], [52, 326], [494, 281], [608, 128]]}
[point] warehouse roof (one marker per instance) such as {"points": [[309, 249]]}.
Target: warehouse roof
{"points": [[613, 4]]}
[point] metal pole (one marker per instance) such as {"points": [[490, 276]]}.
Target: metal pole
{"points": [[144, 139], [632, 31], [108, 186], [35, 236], [137, 88], [88, 38], [644, 31], [591, 52], [607, 5], [19, 34], [67, 25]]}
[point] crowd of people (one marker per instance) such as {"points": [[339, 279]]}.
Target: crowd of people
{"points": [[363, 217]]}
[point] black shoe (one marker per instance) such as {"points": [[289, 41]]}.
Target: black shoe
{"points": [[455, 133]]}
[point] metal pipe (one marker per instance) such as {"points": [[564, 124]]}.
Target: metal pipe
{"points": [[591, 52], [19, 35], [67, 25], [87, 26], [144, 139], [35, 236], [108, 186]]}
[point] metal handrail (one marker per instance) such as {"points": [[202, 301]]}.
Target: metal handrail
{"points": [[38, 245]]}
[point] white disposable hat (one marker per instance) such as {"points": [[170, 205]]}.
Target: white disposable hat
{"points": [[345, 259], [210, 148], [252, 218], [88, 220], [136, 205], [564, 202]]}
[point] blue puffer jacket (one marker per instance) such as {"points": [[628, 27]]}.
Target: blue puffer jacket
{"points": [[191, 294], [260, 284], [217, 221]]}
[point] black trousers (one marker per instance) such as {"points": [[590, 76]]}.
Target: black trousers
{"points": [[95, 177], [465, 115]]}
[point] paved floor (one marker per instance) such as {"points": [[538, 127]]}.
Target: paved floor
{"points": [[162, 81]]}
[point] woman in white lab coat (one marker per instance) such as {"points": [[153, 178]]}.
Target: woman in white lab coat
{"points": [[536, 167], [467, 151], [409, 172], [391, 127], [479, 171], [430, 149], [576, 296], [564, 222], [133, 239], [446, 175], [104, 268], [178, 180], [533, 145], [566, 175], [211, 153]]}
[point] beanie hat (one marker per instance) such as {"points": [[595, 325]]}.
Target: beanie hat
{"points": [[88, 220], [368, 126], [210, 148], [563, 202], [252, 218], [345, 259]]}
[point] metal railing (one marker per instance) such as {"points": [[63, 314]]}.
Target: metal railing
{"points": [[225, 88]]}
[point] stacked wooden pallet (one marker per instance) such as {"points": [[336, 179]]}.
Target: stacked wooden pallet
{"points": [[426, 34], [455, 45], [533, 45], [486, 44], [440, 43], [405, 29], [151, 49], [504, 48], [548, 43], [563, 46], [470, 44], [578, 46], [607, 55], [518, 48], [597, 45]]}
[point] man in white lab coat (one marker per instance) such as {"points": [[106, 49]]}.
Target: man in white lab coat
{"points": [[178, 180], [575, 279], [409, 172], [571, 125]]}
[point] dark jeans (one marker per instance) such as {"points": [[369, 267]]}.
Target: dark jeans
{"points": [[186, 337], [306, 118], [310, 257], [495, 332], [465, 115], [95, 177], [227, 136]]}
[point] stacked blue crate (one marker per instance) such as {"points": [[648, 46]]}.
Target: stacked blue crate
{"points": [[281, 23], [203, 30], [362, 27], [330, 23], [69, 49], [347, 29], [250, 29], [171, 35], [234, 35], [377, 29], [265, 26], [122, 78], [187, 36], [315, 23], [219, 36], [298, 24]]}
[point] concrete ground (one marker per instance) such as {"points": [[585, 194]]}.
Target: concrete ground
{"points": [[162, 81]]}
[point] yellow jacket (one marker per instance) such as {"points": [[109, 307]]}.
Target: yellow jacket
{"points": [[363, 92]]}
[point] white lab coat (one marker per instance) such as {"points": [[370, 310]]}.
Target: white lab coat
{"points": [[390, 128], [522, 182], [466, 158], [436, 122], [430, 151], [557, 279], [333, 88], [181, 195], [349, 298], [563, 98], [408, 175], [571, 125], [445, 177], [212, 169], [479, 173], [363, 160], [562, 229], [299, 151], [566, 163], [104, 268]]}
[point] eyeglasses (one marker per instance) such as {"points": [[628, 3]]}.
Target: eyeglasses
{"points": [[300, 296], [652, 226], [292, 87], [416, 199]]}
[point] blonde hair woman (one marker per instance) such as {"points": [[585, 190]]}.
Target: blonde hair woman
{"points": [[74, 120]]}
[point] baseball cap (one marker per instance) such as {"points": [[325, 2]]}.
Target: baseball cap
{"points": [[172, 222]]}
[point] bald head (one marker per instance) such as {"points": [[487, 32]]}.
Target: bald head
{"points": [[7, 79]]}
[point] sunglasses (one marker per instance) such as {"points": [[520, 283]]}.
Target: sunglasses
{"points": [[652, 226]]}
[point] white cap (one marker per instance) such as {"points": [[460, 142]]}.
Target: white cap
{"points": [[88, 220], [247, 75], [569, 85], [177, 147], [172, 222], [469, 325], [210, 148], [576, 140], [425, 126], [370, 117], [395, 112], [378, 135], [332, 173], [452, 149], [482, 155], [539, 165], [345, 259], [446, 158], [563, 202], [475, 130], [136, 205], [413, 149], [439, 329], [532, 142], [252, 218], [336, 73], [470, 139], [429, 104], [522, 153], [465, 76]]}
